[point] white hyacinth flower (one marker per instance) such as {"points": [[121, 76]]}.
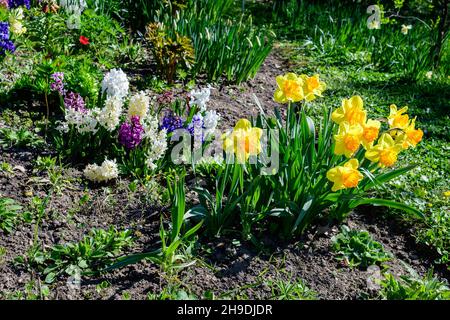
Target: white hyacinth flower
{"points": [[200, 98], [83, 121], [115, 83], [158, 141], [139, 105], [107, 171], [109, 116], [211, 119], [210, 122]]}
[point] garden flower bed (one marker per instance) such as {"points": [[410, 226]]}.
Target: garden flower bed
{"points": [[172, 163]]}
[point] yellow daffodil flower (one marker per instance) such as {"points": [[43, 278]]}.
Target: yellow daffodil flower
{"points": [[406, 28], [411, 136], [348, 139], [312, 87], [385, 152], [370, 133], [290, 88], [346, 176], [397, 118], [243, 141], [447, 194], [351, 111]]}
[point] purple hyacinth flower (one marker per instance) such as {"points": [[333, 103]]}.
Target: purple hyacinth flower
{"points": [[196, 127], [131, 133], [7, 45], [17, 3], [57, 85], [4, 31], [172, 122], [75, 101]]}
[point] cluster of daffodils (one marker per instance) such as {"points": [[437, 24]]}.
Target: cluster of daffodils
{"points": [[106, 172], [295, 88], [356, 131]]}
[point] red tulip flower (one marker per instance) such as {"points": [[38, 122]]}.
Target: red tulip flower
{"points": [[84, 41]]}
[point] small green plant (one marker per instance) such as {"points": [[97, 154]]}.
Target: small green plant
{"points": [[31, 291], [170, 53], [290, 290], [414, 288], [20, 138], [358, 249], [6, 167], [219, 210], [233, 49], [44, 163], [9, 214], [2, 254], [93, 253], [173, 241], [102, 286], [126, 295], [171, 293]]}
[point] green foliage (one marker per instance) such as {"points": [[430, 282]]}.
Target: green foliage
{"points": [[31, 291], [133, 13], [219, 208], [44, 163], [94, 252], [9, 214], [84, 147], [229, 48], [49, 46], [424, 186], [358, 249], [169, 256], [290, 290], [20, 138], [171, 293], [171, 54], [339, 33], [437, 233], [414, 288]]}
